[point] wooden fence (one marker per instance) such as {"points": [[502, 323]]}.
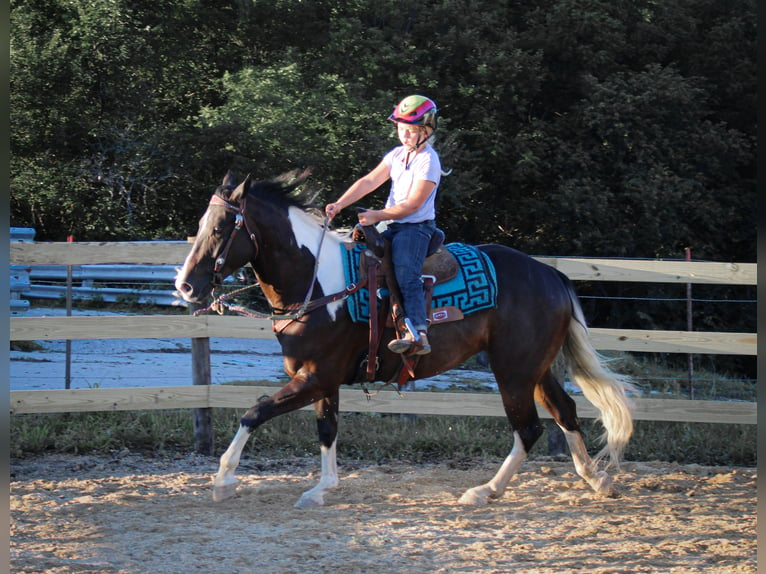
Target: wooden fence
{"points": [[215, 396]]}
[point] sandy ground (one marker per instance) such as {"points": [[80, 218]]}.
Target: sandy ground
{"points": [[129, 514]]}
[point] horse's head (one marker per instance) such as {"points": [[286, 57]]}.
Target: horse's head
{"points": [[224, 243]]}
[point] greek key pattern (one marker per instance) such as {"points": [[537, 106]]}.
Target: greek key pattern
{"points": [[475, 286], [473, 289]]}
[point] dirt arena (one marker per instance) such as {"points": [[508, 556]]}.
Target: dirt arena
{"points": [[130, 514]]}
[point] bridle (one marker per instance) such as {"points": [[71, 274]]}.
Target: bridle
{"points": [[240, 220]]}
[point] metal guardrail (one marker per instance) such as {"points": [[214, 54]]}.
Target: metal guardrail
{"points": [[19, 275], [23, 234], [108, 283], [45, 281], [165, 298], [19, 284], [113, 273]]}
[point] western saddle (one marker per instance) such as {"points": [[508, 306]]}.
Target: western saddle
{"points": [[377, 271]]}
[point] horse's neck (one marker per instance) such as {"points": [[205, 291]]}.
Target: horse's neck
{"points": [[286, 264]]}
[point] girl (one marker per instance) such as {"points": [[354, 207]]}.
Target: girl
{"points": [[414, 169]]}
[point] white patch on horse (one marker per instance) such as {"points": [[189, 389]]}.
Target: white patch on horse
{"points": [[479, 495], [599, 480], [330, 270], [182, 273], [329, 479], [225, 483]]}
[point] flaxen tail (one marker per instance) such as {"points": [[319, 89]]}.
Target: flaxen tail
{"points": [[606, 390]]}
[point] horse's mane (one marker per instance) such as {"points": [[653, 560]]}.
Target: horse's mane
{"points": [[285, 191]]}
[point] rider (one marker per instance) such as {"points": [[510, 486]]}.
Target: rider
{"points": [[414, 169]]}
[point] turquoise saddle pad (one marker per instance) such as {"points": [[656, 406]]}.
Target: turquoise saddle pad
{"points": [[474, 287]]}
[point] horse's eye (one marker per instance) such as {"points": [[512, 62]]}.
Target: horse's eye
{"points": [[217, 231]]}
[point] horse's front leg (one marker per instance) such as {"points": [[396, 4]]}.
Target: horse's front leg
{"points": [[298, 393], [224, 482], [327, 426]]}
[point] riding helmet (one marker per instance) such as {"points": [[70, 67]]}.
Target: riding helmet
{"points": [[415, 110]]}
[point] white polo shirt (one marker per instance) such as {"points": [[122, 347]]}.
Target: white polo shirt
{"points": [[424, 166]]}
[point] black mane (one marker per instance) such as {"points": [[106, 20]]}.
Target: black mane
{"points": [[285, 191]]}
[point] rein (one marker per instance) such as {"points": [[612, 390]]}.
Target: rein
{"points": [[219, 303]]}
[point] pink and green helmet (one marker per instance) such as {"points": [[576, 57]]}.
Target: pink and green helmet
{"points": [[416, 111]]}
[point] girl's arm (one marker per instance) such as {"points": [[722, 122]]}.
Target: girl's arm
{"points": [[361, 187], [418, 194]]}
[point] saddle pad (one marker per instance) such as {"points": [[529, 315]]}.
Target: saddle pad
{"points": [[474, 287]]}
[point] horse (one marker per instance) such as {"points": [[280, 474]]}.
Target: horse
{"points": [[537, 317]]}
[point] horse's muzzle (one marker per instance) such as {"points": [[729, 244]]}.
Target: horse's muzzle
{"points": [[188, 293], [185, 289]]}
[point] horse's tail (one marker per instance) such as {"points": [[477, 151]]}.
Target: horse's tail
{"points": [[606, 390]]}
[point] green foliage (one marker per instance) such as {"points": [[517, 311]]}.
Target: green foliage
{"points": [[277, 131], [638, 142], [592, 127]]}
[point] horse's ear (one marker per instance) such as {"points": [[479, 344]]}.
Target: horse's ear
{"points": [[241, 190], [228, 180]]}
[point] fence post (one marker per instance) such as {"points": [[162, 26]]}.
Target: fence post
{"points": [[689, 326], [204, 439], [68, 349]]}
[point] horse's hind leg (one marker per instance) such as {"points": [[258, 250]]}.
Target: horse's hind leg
{"points": [[327, 426], [522, 414], [556, 401]]}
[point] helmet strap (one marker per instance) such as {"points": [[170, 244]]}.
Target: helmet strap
{"points": [[422, 140]]}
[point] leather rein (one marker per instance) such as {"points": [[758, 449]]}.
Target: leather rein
{"points": [[283, 316]]}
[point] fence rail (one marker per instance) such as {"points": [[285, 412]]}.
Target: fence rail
{"points": [[354, 400], [171, 326], [577, 269], [175, 326]]}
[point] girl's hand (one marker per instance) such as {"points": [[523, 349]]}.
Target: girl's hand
{"points": [[332, 209], [369, 217]]}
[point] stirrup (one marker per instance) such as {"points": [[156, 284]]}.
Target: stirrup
{"points": [[407, 338], [411, 343], [402, 346]]}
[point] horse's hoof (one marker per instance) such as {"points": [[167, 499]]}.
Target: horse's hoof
{"points": [[603, 485], [224, 490], [309, 501], [471, 497]]}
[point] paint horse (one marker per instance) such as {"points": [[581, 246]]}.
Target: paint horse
{"points": [[537, 317]]}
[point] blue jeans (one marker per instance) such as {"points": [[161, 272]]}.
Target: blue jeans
{"points": [[409, 244]]}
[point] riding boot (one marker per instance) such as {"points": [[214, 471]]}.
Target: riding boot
{"points": [[410, 344], [406, 344], [425, 346]]}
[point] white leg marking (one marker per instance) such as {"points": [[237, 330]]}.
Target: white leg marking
{"points": [[599, 480], [329, 480], [225, 483], [330, 273], [479, 495]]}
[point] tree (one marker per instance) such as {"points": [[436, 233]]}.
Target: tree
{"points": [[589, 127]]}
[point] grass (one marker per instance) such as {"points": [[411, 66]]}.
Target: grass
{"points": [[657, 380], [362, 436], [26, 346]]}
